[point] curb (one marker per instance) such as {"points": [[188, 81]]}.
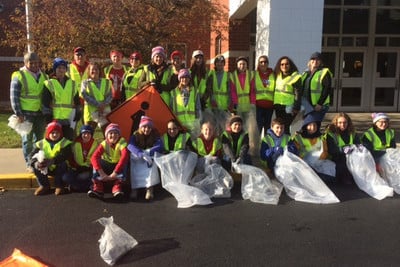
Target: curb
{"points": [[17, 180]]}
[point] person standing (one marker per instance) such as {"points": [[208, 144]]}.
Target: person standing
{"points": [[61, 99], [170, 79], [156, 69], [134, 78], [317, 84], [26, 88], [199, 74], [115, 72], [78, 69], [287, 95], [264, 84], [96, 92]]}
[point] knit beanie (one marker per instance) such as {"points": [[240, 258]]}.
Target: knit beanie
{"points": [[59, 62], [235, 119], [176, 53], [219, 58], [158, 50], [116, 52], [53, 126], [144, 120], [86, 129], [136, 55], [79, 49], [112, 127], [183, 73], [379, 116], [197, 53]]}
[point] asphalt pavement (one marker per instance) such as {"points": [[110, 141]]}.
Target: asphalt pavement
{"points": [[61, 230]]}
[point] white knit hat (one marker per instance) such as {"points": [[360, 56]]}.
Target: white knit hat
{"points": [[379, 116]]}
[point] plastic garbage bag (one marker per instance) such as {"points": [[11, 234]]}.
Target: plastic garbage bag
{"points": [[19, 259], [300, 181], [114, 242], [22, 128], [176, 170], [101, 119], [324, 166], [215, 181], [256, 185], [390, 168], [361, 165]]}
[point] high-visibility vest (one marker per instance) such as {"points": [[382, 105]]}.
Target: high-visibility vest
{"points": [[239, 144], [63, 97], [377, 142], [186, 115], [98, 93], [220, 91], [271, 143], [316, 85], [107, 70], [79, 158], [284, 91], [201, 150], [243, 94], [265, 92], [306, 146], [113, 155], [132, 87], [51, 151], [337, 138], [180, 142], [31, 90], [150, 76], [77, 77]]}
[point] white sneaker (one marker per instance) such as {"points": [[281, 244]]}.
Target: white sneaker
{"points": [[149, 193]]}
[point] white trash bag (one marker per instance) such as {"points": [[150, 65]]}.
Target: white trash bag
{"points": [[300, 180], [101, 119], [256, 185], [324, 166], [176, 170], [361, 165], [40, 157], [390, 168], [215, 181], [22, 128], [114, 242]]}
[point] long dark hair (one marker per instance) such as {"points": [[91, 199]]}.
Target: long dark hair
{"points": [[292, 66]]}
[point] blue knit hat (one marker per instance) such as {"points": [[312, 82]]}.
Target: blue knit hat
{"points": [[86, 129], [59, 62]]}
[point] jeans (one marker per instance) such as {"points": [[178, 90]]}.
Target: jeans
{"points": [[79, 180], [263, 118], [36, 134], [57, 173]]}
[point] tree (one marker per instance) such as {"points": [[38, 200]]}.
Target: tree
{"points": [[99, 26]]}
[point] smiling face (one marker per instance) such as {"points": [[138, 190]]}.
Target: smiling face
{"points": [[146, 129], [236, 127], [278, 129], [94, 71], [312, 127], [112, 137], [86, 137], [80, 58], [285, 66], [54, 135], [382, 124], [61, 71], [342, 123], [207, 130], [241, 65], [172, 129], [158, 59]]}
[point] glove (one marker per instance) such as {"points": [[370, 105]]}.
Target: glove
{"points": [[148, 159], [278, 150], [238, 160], [347, 149]]}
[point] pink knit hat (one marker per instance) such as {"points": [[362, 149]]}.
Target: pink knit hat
{"points": [[183, 73], [158, 50], [379, 116], [112, 127], [144, 120]]}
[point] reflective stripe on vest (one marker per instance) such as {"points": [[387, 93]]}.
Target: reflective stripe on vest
{"points": [[376, 141], [284, 91], [271, 143], [220, 92], [306, 146], [51, 152], [239, 144], [98, 94], [132, 88], [201, 150], [180, 142], [186, 115], [243, 94], [76, 76], [265, 92], [316, 86], [113, 155], [31, 90], [79, 158], [339, 140], [63, 98]]}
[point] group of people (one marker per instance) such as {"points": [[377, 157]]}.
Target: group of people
{"points": [[81, 91]]}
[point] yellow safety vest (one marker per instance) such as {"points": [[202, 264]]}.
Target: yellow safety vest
{"points": [[339, 140], [31, 90], [239, 144], [201, 150], [186, 115], [51, 152], [132, 87], [284, 91], [316, 85], [63, 98], [113, 155], [265, 92], [76, 76], [98, 94], [78, 154], [220, 92], [107, 70], [306, 146], [243, 94], [180, 142], [376, 141]]}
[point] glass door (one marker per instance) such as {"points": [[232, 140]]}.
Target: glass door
{"points": [[385, 81]]}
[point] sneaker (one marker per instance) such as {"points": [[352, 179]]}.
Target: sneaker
{"points": [[149, 194], [41, 190], [95, 194], [59, 191], [29, 169], [133, 194], [118, 194]]}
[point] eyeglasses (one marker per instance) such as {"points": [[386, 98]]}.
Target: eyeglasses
{"points": [[285, 64], [263, 62]]}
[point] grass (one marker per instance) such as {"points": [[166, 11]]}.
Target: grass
{"points": [[11, 139]]}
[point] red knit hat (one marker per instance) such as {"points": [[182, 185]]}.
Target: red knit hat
{"points": [[116, 52], [136, 55], [176, 53], [53, 126], [144, 120]]}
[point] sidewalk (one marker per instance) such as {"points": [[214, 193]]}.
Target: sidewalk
{"points": [[13, 172]]}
